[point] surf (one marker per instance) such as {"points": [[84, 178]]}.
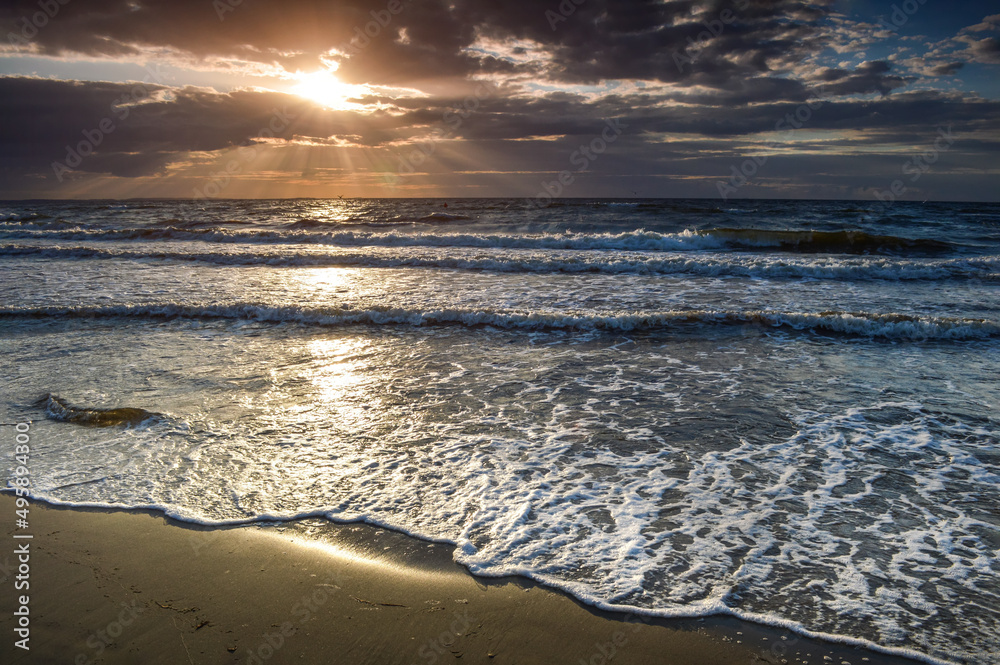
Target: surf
{"points": [[875, 325], [719, 239], [571, 261]]}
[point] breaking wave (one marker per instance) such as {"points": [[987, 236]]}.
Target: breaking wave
{"points": [[807, 242], [847, 269], [864, 324]]}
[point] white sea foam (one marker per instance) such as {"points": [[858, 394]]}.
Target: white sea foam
{"points": [[808, 517]]}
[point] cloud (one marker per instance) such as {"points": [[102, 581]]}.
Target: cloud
{"points": [[983, 49], [990, 23], [149, 123], [681, 42], [868, 77], [946, 69], [130, 128], [986, 50], [700, 82]]}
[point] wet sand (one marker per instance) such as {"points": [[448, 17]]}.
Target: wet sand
{"points": [[135, 587]]}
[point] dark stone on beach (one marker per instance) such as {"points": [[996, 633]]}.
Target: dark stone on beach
{"points": [[58, 409]]}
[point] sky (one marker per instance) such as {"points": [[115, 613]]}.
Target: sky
{"points": [[831, 99]]}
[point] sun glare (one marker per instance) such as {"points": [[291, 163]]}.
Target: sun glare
{"points": [[327, 90]]}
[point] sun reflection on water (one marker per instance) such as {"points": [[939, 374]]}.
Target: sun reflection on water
{"points": [[337, 372], [322, 280]]}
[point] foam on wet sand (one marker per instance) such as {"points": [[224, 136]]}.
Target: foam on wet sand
{"points": [[123, 587]]}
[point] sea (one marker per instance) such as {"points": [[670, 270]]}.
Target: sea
{"points": [[784, 411]]}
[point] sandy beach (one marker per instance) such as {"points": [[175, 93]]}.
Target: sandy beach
{"points": [[135, 587]]}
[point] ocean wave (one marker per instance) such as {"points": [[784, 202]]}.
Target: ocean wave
{"points": [[437, 218], [174, 222], [863, 324], [433, 218], [36, 220], [27, 217], [851, 269], [307, 223], [812, 242], [840, 242]]}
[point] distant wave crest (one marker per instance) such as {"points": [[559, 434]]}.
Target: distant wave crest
{"points": [[812, 242]]}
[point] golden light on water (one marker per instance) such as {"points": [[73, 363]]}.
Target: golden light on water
{"points": [[340, 380], [338, 369], [314, 283]]}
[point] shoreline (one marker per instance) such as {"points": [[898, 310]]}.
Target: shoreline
{"points": [[124, 586]]}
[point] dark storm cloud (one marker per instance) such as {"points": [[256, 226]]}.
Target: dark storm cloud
{"points": [[136, 128], [291, 34], [708, 43], [685, 42], [734, 72], [44, 119], [886, 118], [865, 78], [259, 30]]}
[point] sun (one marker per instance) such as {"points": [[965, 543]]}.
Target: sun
{"points": [[327, 90]]}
